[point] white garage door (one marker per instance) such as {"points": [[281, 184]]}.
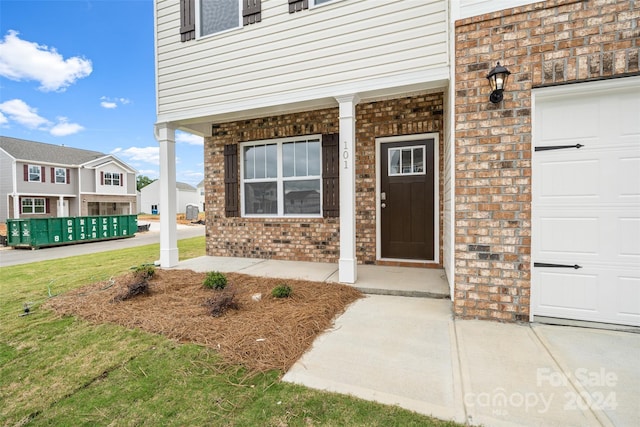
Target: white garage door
{"points": [[586, 202]]}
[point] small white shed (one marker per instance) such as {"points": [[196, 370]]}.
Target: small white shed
{"points": [[150, 197]]}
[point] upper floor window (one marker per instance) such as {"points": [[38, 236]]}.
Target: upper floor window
{"points": [[35, 173], [219, 15], [215, 16], [282, 178], [61, 176], [111, 178]]}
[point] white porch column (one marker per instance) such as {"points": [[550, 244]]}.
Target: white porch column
{"points": [[165, 135], [61, 206], [347, 265]]}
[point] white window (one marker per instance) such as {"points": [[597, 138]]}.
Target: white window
{"points": [[407, 161], [219, 15], [61, 176], [321, 2], [33, 205], [282, 178], [34, 173], [111, 178]]}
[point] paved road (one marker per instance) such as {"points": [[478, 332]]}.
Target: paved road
{"points": [[10, 256]]}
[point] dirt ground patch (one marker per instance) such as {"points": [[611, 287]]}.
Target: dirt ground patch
{"points": [[267, 334]]}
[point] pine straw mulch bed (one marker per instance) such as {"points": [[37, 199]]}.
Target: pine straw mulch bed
{"points": [[269, 334]]}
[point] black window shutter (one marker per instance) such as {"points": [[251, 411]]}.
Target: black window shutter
{"points": [[251, 11], [101, 178], [331, 175], [298, 5], [187, 20], [121, 180], [43, 178], [53, 175], [48, 204], [26, 172], [68, 176], [231, 205]]}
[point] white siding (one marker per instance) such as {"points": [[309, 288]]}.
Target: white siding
{"points": [[344, 47], [470, 8], [150, 195]]}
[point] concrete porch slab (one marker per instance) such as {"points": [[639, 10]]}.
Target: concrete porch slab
{"points": [[212, 263], [372, 279]]}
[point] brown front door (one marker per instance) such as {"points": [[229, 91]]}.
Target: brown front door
{"points": [[407, 200]]}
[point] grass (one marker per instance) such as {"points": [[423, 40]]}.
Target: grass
{"points": [[65, 371]]}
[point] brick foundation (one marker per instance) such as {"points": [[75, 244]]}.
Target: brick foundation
{"points": [[315, 239], [545, 43]]}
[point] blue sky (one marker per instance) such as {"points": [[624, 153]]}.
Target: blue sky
{"points": [[81, 73]]}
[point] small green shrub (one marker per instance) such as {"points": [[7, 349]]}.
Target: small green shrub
{"points": [[144, 271], [281, 291], [215, 280]]}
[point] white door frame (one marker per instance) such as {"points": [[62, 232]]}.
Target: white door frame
{"points": [[436, 193]]}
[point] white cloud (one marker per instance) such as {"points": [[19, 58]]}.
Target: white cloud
{"points": [[24, 60], [18, 111], [3, 119], [64, 128], [189, 138], [111, 103], [141, 154]]}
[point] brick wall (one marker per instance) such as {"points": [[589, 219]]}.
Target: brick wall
{"points": [[545, 43], [310, 239]]}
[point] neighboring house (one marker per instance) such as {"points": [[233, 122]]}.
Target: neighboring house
{"points": [[201, 199], [150, 197], [361, 132], [44, 180]]}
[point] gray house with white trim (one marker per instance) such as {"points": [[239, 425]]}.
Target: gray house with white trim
{"points": [[45, 180]]}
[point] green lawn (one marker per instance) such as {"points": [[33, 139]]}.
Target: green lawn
{"points": [[65, 371]]}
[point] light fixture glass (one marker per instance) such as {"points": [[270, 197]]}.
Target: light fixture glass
{"points": [[498, 81]]}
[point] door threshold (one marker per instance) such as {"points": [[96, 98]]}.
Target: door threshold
{"points": [[392, 262]]}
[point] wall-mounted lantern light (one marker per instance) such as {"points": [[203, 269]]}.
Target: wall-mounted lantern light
{"points": [[498, 81]]}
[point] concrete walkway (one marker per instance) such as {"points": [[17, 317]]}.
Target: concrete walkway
{"points": [[410, 352]]}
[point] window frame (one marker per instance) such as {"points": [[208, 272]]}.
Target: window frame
{"points": [[401, 149], [112, 177], [313, 4], [280, 179], [64, 176], [199, 35], [33, 205], [39, 173]]}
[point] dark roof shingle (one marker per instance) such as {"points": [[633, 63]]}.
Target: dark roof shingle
{"points": [[23, 149]]}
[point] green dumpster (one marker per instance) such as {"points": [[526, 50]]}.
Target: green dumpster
{"points": [[39, 232]]}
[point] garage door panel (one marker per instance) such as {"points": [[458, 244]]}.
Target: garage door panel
{"points": [[569, 236], [628, 232], [629, 114], [629, 168], [568, 290], [562, 127], [586, 202], [558, 178], [628, 293]]}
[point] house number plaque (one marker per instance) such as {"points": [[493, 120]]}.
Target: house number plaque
{"points": [[345, 155]]}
